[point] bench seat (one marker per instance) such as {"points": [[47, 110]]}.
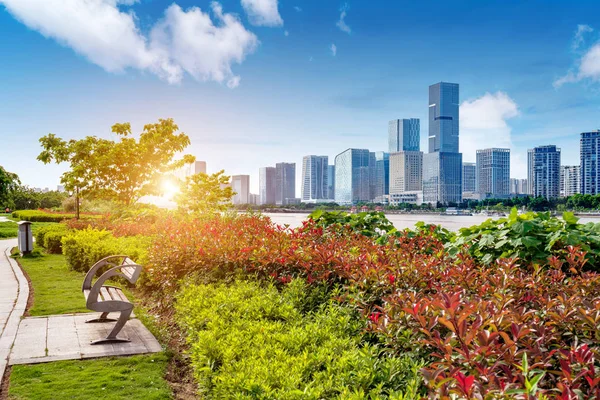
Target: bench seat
{"points": [[108, 293]]}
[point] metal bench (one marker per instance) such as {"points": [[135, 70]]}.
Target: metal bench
{"points": [[106, 299]]}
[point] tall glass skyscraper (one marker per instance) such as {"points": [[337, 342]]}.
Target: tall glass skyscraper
{"points": [[267, 181], [314, 179], [469, 177], [404, 135], [493, 172], [353, 176], [241, 186], [589, 151], [546, 171], [442, 166], [286, 182], [331, 182], [382, 174]]}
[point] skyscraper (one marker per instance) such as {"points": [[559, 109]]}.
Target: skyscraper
{"points": [[493, 172], [285, 187], [267, 181], [589, 151], [314, 179], [546, 171], [331, 182], [382, 175], [404, 135], [469, 177], [570, 182], [353, 172], [406, 172], [442, 166], [530, 171], [241, 186], [518, 186]]}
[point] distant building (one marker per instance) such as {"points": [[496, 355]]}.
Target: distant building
{"points": [[493, 172], [589, 152], [331, 182], [254, 199], [442, 166], [406, 172], [404, 135], [60, 188], [469, 177], [570, 180], [518, 186], [530, 171], [197, 167], [285, 187], [382, 175], [241, 186], [267, 181], [314, 179], [546, 171], [353, 172], [415, 197]]}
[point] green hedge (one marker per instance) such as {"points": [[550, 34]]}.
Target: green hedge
{"points": [[8, 230], [40, 216], [84, 248], [50, 237]]}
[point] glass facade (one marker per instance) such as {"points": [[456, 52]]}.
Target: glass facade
{"points": [[546, 171], [354, 169], [314, 179], [331, 182], [404, 135], [443, 117], [285, 182], [382, 174], [530, 170], [406, 172], [267, 181], [589, 151], [442, 178], [493, 172], [469, 177]]}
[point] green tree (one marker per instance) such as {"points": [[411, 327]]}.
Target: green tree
{"points": [[123, 170], [9, 182], [202, 193]]}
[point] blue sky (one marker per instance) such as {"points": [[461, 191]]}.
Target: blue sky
{"points": [[255, 82]]}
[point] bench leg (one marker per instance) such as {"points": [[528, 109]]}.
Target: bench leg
{"points": [[102, 318], [112, 336]]}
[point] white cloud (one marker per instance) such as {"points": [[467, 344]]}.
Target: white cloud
{"points": [[234, 82], [341, 22], [333, 49], [483, 124], [262, 12], [110, 38], [588, 66], [298, 9]]}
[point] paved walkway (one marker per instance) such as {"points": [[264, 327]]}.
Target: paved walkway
{"points": [[14, 291]]}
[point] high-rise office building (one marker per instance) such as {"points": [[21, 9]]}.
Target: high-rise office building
{"points": [[469, 177], [442, 166], [353, 176], [314, 179], [241, 186], [267, 181], [406, 172], [331, 182], [404, 135], [546, 171], [589, 153], [285, 187], [493, 172], [197, 167], [382, 175], [570, 180], [530, 171], [518, 186]]}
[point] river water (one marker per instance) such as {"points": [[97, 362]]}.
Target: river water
{"points": [[401, 221]]}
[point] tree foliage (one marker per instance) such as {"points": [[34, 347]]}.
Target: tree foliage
{"points": [[202, 193], [123, 170], [9, 182]]}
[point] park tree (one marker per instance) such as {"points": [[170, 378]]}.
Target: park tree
{"points": [[121, 170], [9, 182], [202, 193]]}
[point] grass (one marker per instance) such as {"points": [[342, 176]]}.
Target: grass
{"points": [[136, 377], [9, 229], [57, 289]]}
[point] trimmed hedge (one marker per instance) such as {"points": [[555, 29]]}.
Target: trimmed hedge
{"points": [[84, 248], [50, 237], [45, 216]]}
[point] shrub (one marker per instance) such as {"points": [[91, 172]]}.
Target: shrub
{"points": [[8, 229], [252, 341], [84, 248], [47, 216], [50, 237]]}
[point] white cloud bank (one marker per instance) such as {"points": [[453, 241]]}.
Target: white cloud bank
{"points": [[342, 21], [333, 49], [183, 41], [262, 12], [483, 124], [588, 65]]}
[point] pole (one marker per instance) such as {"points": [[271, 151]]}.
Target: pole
{"points": [[77, 203]]}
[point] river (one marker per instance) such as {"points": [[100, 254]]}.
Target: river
{"points": [[401, 221]]}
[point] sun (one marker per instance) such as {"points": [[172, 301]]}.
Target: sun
{"points": [[169, 188]]}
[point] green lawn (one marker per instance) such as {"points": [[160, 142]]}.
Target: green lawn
{"points": [[9, 229], [57, 290], [136, 377]]}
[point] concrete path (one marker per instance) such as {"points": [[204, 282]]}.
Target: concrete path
{"points": [[14, 291]]}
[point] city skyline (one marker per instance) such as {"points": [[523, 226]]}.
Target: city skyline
{"points": [[534, 92]]}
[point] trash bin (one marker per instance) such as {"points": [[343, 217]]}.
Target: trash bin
{"points": [[25, 237]]}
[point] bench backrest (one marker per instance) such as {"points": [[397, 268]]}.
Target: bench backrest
{"points": [[119, 265]]}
